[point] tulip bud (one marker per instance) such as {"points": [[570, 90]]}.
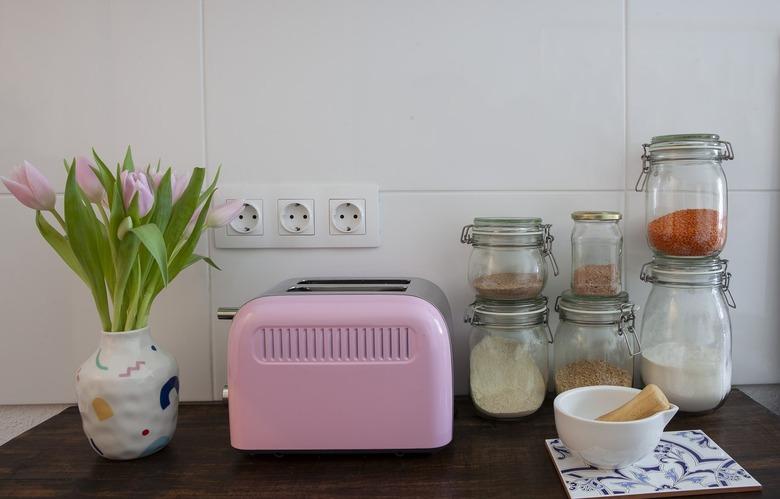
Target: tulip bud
{"points": [[136, 183], [178, 183], [30, 187], [222, 215], [88, 181]]}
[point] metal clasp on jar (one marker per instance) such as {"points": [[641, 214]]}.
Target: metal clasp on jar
{"points": [[729, 150], [644, 275], [626, 328], [725, 281], [547, 324], [643, 175], [467, 234], [547, 247]]}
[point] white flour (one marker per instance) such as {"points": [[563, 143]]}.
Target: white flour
{"points": [[505, 380], [695, 378]]}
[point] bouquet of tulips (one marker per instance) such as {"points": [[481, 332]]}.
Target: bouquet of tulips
{"points": [[125, 233]]}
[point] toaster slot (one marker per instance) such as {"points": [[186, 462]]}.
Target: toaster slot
{"points": [[350, 285]]}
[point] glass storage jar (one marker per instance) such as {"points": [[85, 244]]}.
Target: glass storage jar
{"points": [[595, 342], [507, 261], [508, 356], [596, 253], [686, 331], [686, 194]]}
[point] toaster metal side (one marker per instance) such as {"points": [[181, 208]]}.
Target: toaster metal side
{"points": [[325, 369]]}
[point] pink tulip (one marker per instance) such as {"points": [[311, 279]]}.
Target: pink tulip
{"points": [[178, 183], [30, 187], [88, 181], [137, 183], [222, 215]]}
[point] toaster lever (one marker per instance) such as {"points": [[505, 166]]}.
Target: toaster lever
{"points": [[226, 313], [224, 393]]}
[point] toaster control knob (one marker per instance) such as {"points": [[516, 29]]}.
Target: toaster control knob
{"points": [[224, 393]]}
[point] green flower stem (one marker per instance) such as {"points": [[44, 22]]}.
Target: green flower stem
{"points": [[146, 302], [135, 294], [110, 236], [60, 220]]}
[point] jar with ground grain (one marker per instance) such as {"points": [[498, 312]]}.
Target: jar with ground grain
{"points": [[508, 356], [596, 253], [595, 342], [509, 257], [686, 196]]}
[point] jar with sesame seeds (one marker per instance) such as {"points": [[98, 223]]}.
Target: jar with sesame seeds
{"points": [[596, 253], [595, 342], [685, 194], [509, 257]]}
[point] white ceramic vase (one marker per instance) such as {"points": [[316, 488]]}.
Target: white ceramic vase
{"points": [[128, 395]]}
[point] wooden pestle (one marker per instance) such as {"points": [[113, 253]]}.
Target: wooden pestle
{"points": [[646, 403]]}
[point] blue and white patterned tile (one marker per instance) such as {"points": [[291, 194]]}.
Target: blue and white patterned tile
{"points": [[683, 462]]}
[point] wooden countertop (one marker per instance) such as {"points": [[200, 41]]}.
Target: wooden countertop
{"points": [[486, 459]]}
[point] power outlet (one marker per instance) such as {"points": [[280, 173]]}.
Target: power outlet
{"points": [[347, 217], [327, 215], [249, 220], [296, 217]]}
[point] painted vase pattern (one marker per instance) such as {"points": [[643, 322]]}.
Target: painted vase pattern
{"points": [[128, 395]]}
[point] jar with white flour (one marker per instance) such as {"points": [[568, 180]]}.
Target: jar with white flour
{"points": [[508, 356], [686, 331]]}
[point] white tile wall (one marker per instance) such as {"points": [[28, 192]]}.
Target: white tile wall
{"points": [[75, 75], [455, 109]]}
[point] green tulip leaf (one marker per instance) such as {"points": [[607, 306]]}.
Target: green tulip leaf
{"points": [[83, 238], [194, 258], [180, 261], [184, 209], [154, 242], [60, 244], [105, 176], [127, 164]]}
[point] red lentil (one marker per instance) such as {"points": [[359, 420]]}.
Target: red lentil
{"points": [[690, 232]]}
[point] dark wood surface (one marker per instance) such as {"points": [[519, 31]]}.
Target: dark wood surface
{"points": [[486, 459]]}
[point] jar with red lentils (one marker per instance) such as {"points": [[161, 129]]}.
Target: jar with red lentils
{"points": [[686, 194]]}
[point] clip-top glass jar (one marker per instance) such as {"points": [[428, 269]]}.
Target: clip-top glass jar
{"points": [[508, 356], [686, 199], [508, 257], [596, 253], [686, 331], [595, 342]]}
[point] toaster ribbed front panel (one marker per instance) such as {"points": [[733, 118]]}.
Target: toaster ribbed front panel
{"points": [[333, 344]]}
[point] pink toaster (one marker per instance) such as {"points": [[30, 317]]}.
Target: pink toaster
{"points": [[341, 365]]}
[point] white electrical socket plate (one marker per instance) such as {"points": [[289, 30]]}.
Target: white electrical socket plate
{"points": [[321, 195]]}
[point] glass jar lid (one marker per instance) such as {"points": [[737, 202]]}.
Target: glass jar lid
{"points": [[596, 216], [686, 146], [509, 314], [605, 309], [689, 273], [508, 226], [511, 232], [601, 310]]}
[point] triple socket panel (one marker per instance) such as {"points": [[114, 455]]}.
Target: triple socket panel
{"points": [[301, 216]]}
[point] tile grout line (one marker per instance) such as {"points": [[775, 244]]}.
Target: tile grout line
{"points": [[204, 152], [502, 191], [626, 193]]}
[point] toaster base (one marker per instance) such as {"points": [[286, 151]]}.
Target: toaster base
{"points": [[397, 452]]}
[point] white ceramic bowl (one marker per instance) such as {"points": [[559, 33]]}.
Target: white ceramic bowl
{"points": [[603, 444]]}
